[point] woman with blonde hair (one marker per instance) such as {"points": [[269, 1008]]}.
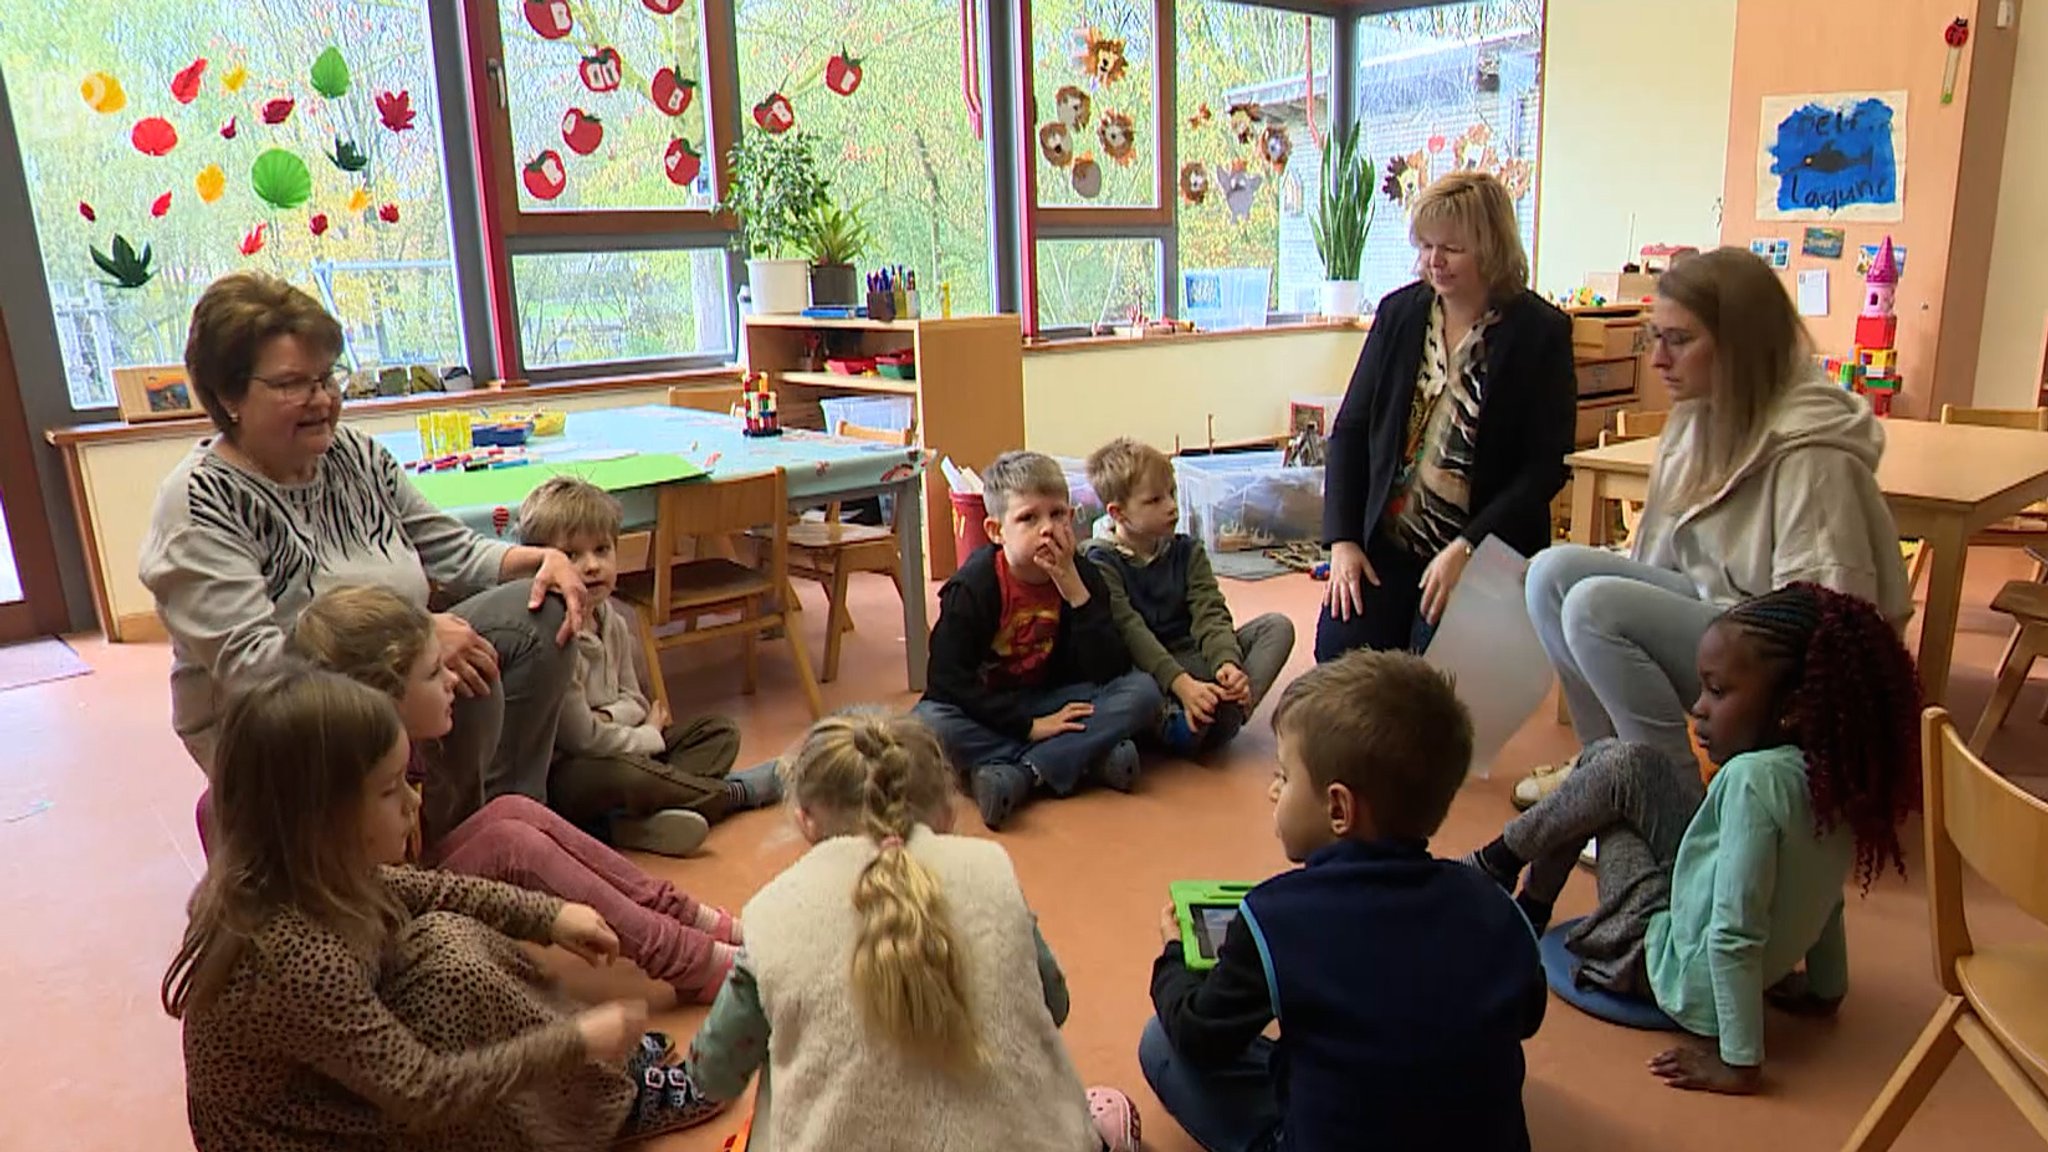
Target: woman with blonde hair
{"points": [[895, 988], [1765, 477], [1454, 428]]}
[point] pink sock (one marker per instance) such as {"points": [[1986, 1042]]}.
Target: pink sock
{"points": [[717, 923], [716, 970]]}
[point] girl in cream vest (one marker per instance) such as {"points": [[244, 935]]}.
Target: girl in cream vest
{"points": [[1765, 476], [895, 990]]}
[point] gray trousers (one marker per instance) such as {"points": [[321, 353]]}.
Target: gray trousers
{"points": [[505, 741], [1266, 641], [1624, 638]]}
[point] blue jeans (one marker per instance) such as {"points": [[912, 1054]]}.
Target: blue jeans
{"points": [[1227, 1109], [1124, 707]]}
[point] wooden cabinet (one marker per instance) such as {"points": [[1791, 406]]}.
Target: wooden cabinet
{"points": [[968, 396]]}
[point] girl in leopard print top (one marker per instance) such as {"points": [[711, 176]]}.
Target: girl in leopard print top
{"points": [[330, 999]]}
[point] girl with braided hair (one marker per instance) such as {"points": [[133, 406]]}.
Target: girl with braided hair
{"points": [[894, 979], [1711, 899]]}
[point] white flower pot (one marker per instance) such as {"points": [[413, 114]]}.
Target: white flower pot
{"points": [[1339, 297], [780, 286]]}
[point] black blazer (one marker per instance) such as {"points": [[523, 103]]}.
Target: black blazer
{"points": [[1527, 421]]}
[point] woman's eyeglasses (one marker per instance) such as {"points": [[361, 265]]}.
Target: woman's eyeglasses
{"points": [[301, 389], [1674, 340]]}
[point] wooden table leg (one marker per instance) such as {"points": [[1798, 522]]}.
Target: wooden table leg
{"points": [[1944, 604], [910, 579]]}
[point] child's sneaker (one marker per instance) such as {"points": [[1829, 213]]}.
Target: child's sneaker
{"points": [[1116, 1119], [668, 1100], [669, 832], [1178, 733], [999, 789], [755, 787], [1119, 769]]}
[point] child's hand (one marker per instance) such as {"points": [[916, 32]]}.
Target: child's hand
{"points": [[1199, 697], [1169, 924], [1055, 557], [581, 930], [1235, 683], [658, 717], [612, 1031], [1699, 1070], [1068, 719]]}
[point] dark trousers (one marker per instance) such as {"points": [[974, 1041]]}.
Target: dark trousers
{"points": [[1390, 619], [1124, 707], [1229, 1109]]}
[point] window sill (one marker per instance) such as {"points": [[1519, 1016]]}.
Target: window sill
{"points": [[1099, 343]]}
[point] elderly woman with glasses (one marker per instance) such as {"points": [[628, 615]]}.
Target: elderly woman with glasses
{"points": [[287, 501]]}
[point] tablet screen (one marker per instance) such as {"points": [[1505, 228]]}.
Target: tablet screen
{"points": [[1212, 921]]}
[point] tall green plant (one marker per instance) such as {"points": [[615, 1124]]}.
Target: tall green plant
{"points": [[835, 235], [1343, 216], [776, 186]]}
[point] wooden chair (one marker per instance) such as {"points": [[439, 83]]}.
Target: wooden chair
{"points": [[716, 398], [1997, 998], [687, 590], [2029, 528], [830, 551], [2026, 601]]}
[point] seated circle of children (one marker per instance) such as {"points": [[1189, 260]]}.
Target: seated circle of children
{"points": [[331, 997], [622, 764], [1029, 682], [1169, 609], [1719, 898], [377, 638], [895, 990], [1403, 984]]}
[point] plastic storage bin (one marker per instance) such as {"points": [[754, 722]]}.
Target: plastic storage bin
{"points": [[1237, 501], [887, 413], [1081, 494], [1218, 298]]}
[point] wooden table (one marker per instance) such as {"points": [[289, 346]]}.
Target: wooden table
{"points": [[1943, 482]]}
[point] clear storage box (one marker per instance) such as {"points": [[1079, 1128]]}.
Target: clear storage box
{"points": [[1237, 501]]}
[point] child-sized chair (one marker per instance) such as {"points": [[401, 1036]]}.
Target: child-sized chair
{"points": [[1997, 997], [2026, 601], [686, 591]]}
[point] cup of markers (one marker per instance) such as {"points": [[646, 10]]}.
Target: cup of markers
{"points": [[444, 434]]}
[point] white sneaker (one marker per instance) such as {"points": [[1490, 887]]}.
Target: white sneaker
{"points": [[669, 832], [1590, 854], [1531, 790]]}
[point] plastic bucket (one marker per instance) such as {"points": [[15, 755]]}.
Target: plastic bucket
{"points": [[969, 515]]}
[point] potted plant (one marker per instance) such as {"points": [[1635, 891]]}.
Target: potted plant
{"points": [[835, 237], [1342, 220], [774, 188]]}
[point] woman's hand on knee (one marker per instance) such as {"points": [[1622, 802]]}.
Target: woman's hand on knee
{"points": [[1350, 571], [468, 655]]}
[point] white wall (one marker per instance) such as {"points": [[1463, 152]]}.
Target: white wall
{"points": [[1635, 123], [2016, 307]]}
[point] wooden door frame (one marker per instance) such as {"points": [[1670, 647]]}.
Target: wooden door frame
{"points": [[41, 609]]}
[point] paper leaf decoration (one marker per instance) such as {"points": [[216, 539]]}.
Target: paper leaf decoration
{"points": [[185, 85], [317, 224], [388, 213], [330, 74], [281, 179], [252, 240], [279, 110], [234, 78], [210, 183], [124, 267], [160, 206], [395, 110], [347, 157], [103, 93], [153, 136], [357, 201], [86, 211], [227, 130]]}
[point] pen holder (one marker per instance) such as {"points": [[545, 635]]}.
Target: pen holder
{"points": [[881, 306]]}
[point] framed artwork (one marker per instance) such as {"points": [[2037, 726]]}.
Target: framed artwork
{"points": [[158, 392]]}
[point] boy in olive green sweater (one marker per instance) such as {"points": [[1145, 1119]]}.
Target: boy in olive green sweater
{"points": [[1168, 608]]}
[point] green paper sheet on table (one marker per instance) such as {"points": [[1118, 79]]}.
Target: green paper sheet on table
{"points": [[509, 486]]}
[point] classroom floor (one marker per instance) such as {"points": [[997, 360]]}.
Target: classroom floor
{"points": [[97, 856]]}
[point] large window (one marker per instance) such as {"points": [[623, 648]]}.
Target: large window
{"points": [[166, 145], [1096, 283], [1092, 77], [891, 90], [619, 307], [1253, 109], [1441, 89]]}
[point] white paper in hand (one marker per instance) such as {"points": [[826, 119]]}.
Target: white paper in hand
{"points": [[1488, 646]]}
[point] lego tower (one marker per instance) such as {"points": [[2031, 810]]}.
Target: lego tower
{"points": [[1877, 332]]}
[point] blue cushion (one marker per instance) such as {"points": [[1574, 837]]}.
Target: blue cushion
{"points": [[1561, 969]]}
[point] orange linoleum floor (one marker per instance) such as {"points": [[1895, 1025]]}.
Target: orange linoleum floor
{"points": [[98, 853]]}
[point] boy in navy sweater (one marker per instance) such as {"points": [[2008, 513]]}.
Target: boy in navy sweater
{"points": [[1029, 681], [1403, 989]]}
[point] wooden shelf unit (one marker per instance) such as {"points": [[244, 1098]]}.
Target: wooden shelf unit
{"points": [[969, 391]]}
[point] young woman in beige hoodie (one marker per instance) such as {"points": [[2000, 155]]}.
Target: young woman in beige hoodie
{"points": [[1766, 476]]}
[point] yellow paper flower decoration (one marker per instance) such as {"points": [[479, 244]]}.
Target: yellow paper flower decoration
{"points": [[234, 78], [357, 201], [103, 93], [210, 182]]}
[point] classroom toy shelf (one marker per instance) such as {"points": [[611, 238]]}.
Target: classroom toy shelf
{"points": [[968, 394]]}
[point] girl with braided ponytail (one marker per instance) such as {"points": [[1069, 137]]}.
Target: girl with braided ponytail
{"points": [[894, 980], [1714, 900]]}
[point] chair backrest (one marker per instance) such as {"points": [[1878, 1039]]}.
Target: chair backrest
{"points": [[716, 398], [726, 506], [852, 431], [2025, 419], [1976, 816], [1639, 425]]}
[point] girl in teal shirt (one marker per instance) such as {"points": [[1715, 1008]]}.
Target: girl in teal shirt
{"points": [[1712, 899]]}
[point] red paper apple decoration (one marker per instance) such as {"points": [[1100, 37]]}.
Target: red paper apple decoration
{"points": [[581, 131], [774, 114], [602, 70], [682, 163], [663, 7], [672, 94], [549, 19], [543, 176], [842, 73]]}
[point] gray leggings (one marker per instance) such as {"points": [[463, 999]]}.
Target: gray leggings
{"points": [[1624, 638]]}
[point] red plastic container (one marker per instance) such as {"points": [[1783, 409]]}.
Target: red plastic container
{"points": [[969, 516], [854, 366]]}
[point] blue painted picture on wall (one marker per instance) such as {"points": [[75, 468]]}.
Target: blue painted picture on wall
{"points": [[1833, 156]]}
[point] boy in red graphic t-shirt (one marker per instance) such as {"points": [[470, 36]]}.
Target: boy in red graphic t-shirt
{"points": [[1029, 679]]}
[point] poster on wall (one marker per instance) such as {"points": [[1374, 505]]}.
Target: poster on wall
{"points": [[1832, 156]]}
